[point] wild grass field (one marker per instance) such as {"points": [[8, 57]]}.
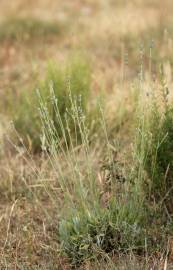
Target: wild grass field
{"points": [[86, 135]]}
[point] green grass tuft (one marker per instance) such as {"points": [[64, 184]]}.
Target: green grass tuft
{"points": [[64, 95], [117, 228]]}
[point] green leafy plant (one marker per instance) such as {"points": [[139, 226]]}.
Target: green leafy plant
{"points": [[115, 228], [65, 93]]}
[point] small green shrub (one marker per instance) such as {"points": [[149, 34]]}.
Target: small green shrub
{"points": [[24, 29], [89, 226], [115, 228], [126, 221], [64, 94]]}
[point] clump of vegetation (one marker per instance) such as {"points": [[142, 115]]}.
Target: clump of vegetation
{"points": [[88, 225], [124, 222], [155, 145], [64, 93], [24, 29], [115, 228]]}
